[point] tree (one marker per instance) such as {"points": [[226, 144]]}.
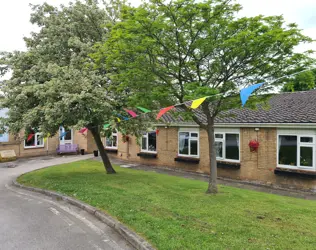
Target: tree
{"points": [[301, 82], [54, 83], [173, 51]]}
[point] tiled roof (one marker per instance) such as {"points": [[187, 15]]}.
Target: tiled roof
{"points": [[297, 107]]}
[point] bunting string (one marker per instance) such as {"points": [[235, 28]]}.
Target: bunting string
{"points": [[245, 93]]}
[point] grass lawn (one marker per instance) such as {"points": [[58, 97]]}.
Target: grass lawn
{"points": [[175, 213]]}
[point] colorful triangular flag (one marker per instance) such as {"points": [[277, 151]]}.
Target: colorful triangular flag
{"points": [[143, 109], [124, 117], [62, 135], [131, 112], [196, 103], [246, 92], [81, 131], [105, 126], [163, 111], [29, 137]]}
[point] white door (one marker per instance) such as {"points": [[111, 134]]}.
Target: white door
{"points": [[67, 138]]}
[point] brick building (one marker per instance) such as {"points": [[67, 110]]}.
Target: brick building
{"points": [[286, 135]]}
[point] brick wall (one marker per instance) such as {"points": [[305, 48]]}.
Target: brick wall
{"points": [[257, 167]]}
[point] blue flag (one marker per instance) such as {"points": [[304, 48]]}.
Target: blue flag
{"points": [[246, 92], [62, 135], [124, 117]]}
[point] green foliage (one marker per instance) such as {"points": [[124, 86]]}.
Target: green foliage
{"points": [[301, 82], [174, 213], [167, 52], [55, 81]]}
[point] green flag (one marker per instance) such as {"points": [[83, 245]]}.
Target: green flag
{"points": [[105, 126], [144, 110]]}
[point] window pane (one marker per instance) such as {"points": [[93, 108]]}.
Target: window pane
{"points": [[114, 141], [288, 150], [195, 135], [307, 139], [68, 135], [184, 143], [152, 141], [39, 140], [219, 136], [31, 142], [232, 146], [108, 142], [306, 156], [219, 149], [193, 147], [144, 143]]}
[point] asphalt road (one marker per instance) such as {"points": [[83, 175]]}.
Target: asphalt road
{"points": [[34, 221]]}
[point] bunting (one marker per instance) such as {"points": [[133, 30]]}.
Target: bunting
{"points": [[105, 126], [131, 112], [143, 109], [246, 92], [163, 111], [30, 136], [62, 135], [124, 117], [196, 103], [81, 131]]}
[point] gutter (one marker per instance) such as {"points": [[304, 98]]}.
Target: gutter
{"points": [[245, 125]]}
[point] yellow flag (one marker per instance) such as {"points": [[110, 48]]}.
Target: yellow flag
{"points": [[196, 103], [45, 139], [118, 119]]}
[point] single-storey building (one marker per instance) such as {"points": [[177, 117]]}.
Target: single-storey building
{"points": [[39, 146], [286, 134]]}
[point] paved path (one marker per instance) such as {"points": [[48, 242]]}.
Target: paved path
{"points": [[34, 221]]}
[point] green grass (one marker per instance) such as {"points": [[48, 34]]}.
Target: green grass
{"points": [[175, 213]]}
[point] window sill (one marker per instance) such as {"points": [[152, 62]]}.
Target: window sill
{"points": [[295, 172], [228, 165], [147, 155], [111, 150], [187, 159], [34, 147]]}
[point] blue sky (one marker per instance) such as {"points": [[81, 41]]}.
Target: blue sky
{"points": [[14, 17]]}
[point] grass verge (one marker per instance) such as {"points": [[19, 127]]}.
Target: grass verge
{"points": [[175, 213]]}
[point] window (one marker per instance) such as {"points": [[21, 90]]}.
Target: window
{"points": [[36, 141], [149, 141], [227, 146], [4, 137], [111, 142], [296, 151], [189, 144]]}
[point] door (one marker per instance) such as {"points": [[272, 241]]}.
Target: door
{"points": [[67, 138]]}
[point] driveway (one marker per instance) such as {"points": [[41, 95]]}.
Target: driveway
{"points": [[34, 221]]}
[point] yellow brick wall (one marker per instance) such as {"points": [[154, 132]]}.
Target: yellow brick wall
{"points": [[256, 167]]}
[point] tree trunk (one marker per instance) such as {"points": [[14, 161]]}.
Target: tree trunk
{"points": [[105, 159], [212, 183]]}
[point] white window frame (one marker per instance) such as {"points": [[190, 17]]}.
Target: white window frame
{"points": [[195, 139], [112, 147], [300, 144], [223, 141], [36, 146], [147, 142]]}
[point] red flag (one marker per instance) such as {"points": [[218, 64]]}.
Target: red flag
{"points": [[131, 112], [164, 110], [30, 136], [81, 131]]}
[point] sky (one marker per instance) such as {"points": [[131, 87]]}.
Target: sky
{"points": [[15, 14]]}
